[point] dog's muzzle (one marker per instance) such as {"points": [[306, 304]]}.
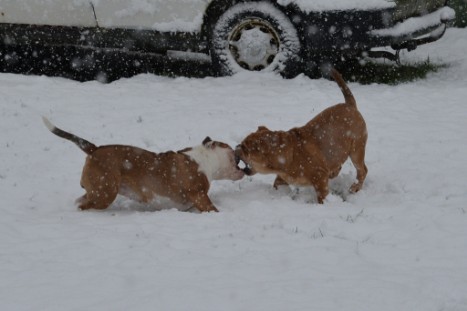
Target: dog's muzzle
{"points": [[238, 158]]}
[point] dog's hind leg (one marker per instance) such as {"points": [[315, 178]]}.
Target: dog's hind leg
{"points": [[101, 188], [94, 200], [358, 160], [97, 199]]}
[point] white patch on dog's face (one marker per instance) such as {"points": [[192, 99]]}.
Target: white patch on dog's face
{"points": [[216, 161], [228, 168]]}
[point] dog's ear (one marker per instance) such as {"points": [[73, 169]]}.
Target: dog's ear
{"points": [[262, 128], [206, 140], [209, 143]]}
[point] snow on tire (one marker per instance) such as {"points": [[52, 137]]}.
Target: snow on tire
{"points": [[254, 36]]}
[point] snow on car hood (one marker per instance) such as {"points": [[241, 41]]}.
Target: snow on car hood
{"points": [[308, 6]]}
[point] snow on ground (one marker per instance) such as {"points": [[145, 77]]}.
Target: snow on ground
{"points": [[399, 244]]}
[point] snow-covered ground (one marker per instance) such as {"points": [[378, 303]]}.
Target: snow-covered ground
{"points": [[399, 244]]}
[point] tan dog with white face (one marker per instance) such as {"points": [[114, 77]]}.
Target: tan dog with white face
{"points": [[183, 176], [314, 153]]}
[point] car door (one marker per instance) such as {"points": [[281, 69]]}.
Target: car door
{"points": [[47, 12], [160, 15]]}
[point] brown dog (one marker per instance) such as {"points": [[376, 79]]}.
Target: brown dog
{"points": [[314, 153], [182, 176]]}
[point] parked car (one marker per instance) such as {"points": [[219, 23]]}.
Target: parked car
{"points": [[264, 35]]}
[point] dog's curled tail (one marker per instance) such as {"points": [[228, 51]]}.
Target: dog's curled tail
{"points": [[83, 144], [349, 99]]}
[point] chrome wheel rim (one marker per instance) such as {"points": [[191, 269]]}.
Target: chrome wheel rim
{"points": [[254, 44]]}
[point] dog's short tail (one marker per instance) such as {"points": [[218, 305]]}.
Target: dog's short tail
{"points": [[349, 99], [83, 144]]}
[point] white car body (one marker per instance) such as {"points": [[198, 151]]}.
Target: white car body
{"points": [[272, 35], [47, 12], [159, 15]]}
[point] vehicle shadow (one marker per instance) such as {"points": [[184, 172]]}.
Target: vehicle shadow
{"points": [[102, 65], [82, 64]]}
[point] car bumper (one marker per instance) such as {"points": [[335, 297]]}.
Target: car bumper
{"points": [[414, 31], [347, 33]]}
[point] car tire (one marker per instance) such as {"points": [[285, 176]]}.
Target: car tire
{"points": [[254, 36]]}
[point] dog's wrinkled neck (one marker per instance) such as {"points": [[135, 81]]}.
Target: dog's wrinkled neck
{"points": [[208, 160]]}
